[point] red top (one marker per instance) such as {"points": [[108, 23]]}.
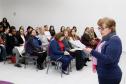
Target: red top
{"points": [[61, 45]]}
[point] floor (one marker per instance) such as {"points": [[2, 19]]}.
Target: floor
{"points": [[30, 76]]}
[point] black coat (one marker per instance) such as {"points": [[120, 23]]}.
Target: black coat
{"points": [[86, 40], [5, 25], [12, 41]]}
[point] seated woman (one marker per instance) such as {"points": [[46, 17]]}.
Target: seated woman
{"points": [[52, 31], [27, 33], [13, 42], [19, 49], [62, 28], [47, 33], [80, 62], [89, 38], [58, 53], [33, 47], [43, 38], [75, 40], [5, 23]]}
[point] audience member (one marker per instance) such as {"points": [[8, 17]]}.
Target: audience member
{"points": [[77, 54], [62, 28], [52, 31], [58, 52], [5, 23], [29, 29], [33, 47]]}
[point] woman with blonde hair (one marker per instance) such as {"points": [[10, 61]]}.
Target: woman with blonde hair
{"points": [[43, 38]]}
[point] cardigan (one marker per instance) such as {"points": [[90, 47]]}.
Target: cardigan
{"points": [[108, 59]]}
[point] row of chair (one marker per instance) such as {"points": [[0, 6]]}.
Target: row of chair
{"points": [[28, 59]]}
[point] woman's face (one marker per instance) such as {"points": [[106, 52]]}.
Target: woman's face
{"points": [[14, 32], [73, 32], [92, 29], [4, 20], [7, 30], [41, 31], [66, 34], [87, 30], [33, 33], [52, 28], [21, 31], [104, 30], [46, 28], [29, 30], [62, 28]]}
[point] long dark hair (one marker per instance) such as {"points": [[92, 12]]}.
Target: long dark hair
{"points": [[4, 19], [52, 30], [74, 37]]}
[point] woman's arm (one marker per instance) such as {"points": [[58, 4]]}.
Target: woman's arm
{"points": [[112, 52]]}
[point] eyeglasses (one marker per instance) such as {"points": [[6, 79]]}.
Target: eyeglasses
{"points": [[101, 28]]}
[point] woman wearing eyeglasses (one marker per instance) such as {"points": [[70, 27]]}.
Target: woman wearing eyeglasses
{"points": [[108, 53]]}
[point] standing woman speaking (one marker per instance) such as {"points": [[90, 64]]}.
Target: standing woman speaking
{"points": [[107, 53]]}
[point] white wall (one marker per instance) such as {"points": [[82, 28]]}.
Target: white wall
{"points": [[81, 13], [1, 10]]}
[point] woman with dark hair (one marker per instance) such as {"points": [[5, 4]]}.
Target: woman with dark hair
{"points": [[62, 28], [11, 40], [5, 23], [19, 50], [107, 53], [75, 28], [85, 38], [33, 47], [89, 38], [21, 34], [57, 52], [52, 31], [29, 29], [93, 34]]}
